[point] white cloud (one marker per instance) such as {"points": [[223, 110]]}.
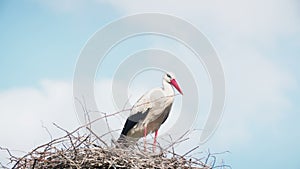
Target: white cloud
{"points": [[232, 18], [245, 18], [25, 110]]}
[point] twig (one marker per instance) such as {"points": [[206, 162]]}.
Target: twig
{"points": [[97, 137], [190, 151], [47, 130]]}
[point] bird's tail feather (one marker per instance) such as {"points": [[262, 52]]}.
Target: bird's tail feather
{"points": [[122, 141]]}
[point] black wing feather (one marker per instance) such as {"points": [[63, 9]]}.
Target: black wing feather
{"points": [[133, 120]]}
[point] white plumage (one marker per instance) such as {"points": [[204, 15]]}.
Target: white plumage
{"points": [[150, 111]]}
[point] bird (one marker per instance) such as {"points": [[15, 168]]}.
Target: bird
{"points": [[150, 112]]}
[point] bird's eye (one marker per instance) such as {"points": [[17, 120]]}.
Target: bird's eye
{"points": [[169, 76]]}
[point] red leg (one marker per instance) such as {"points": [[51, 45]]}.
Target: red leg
{"points": [[154, 143], [145, 134]]}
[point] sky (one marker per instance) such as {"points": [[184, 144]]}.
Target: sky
{"points": [[257, 43]]}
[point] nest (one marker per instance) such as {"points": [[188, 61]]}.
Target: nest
{"points": [[98, 157], [78, 149]]}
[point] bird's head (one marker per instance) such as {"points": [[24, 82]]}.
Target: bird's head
{"points": [[170, 78]]}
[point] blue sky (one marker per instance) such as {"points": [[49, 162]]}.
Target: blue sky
{"points": [[257, 42], [29, 39]]}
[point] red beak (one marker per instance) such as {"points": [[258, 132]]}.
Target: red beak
{"points": [[175, 84]]}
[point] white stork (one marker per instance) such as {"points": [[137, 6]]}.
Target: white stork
{"points": [[150, 112]]}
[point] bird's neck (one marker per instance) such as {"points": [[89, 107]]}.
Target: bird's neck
{"points": [[168, 90]]}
